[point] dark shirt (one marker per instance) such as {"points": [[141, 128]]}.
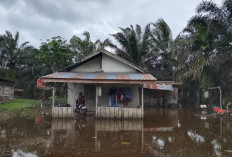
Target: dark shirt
{"points": [[81, 101]]}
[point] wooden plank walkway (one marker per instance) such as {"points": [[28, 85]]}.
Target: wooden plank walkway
{"points": [[119, 113]]}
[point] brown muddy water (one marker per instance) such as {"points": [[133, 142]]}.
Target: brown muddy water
{"points": [[163, 132]]}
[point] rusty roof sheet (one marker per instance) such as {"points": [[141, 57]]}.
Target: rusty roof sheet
{"points": [[100, 76]]}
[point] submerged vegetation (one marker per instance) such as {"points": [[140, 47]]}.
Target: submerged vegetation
{"points": [[200, 56]]}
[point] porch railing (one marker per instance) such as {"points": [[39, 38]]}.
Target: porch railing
{"points": [[118, 113]]}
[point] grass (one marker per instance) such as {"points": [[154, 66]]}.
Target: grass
{"points": [[19, 103]]}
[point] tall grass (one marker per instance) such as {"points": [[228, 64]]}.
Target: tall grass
{"points": [[19, 103]]}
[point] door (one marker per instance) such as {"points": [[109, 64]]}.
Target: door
{"points": [[90, 93]]}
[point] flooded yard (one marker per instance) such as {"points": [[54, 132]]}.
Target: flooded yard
{"points": [[163, 132]]}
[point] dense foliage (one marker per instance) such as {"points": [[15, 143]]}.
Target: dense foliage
{"points": [[199, 57]]}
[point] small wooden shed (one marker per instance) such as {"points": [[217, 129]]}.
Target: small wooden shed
{"points": [[6, 90], [96, 76]]}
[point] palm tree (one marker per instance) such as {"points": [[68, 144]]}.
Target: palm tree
{"points": [[85, 47], [133, 44], [206, 47], [10, 49], [30, 70], [221, 21], [161, 63]]}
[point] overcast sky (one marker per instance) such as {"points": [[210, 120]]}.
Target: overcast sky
{"points": [[38, 20]]}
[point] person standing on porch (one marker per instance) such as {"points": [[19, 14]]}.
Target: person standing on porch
{"points": [[120, 100], [80, 100]]}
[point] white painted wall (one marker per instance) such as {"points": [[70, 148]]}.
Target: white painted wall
{"points": [[105, 63], [91, 66], [112, 65], [73, 92]]}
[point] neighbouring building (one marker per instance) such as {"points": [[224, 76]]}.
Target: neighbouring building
{"points": [[6, 90]]}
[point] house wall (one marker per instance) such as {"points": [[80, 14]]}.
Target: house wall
{"points": [[105, 64], [112, 65], [73, 92], [91, 66]]}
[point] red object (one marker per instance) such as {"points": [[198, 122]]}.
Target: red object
{"points": [[40, 83], [38, 119], [218, 110]]}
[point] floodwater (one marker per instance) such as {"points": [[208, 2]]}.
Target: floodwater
{"points": [[163, 132]]}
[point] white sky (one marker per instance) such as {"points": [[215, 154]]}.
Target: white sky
{"points": [[38, 20]]}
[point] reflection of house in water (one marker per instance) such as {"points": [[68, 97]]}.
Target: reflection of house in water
{"points": [[118, 135], [161, 131], [63, 131], [170, 118], [103, 137]]}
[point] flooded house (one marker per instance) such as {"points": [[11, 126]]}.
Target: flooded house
{"points": [[104, 78], [6, 90]]}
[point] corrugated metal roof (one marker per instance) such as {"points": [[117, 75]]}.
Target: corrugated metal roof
{"points": [[100, 76], [169, 83], [156, 86]]}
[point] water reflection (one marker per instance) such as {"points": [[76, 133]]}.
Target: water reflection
{"points": [[195, 137], [161, 133], [17, 153]]}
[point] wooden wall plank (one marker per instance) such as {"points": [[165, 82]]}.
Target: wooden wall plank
{"points": [[55, 113], [134, 111], [130, 113], [120, 113], [116, 110], [125, 113], [103, 112], [111, 112]]}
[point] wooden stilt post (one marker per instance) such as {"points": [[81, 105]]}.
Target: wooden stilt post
{"points": [[96, 100]]}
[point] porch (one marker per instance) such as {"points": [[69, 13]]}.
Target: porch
{"points": [[97, 101]]}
